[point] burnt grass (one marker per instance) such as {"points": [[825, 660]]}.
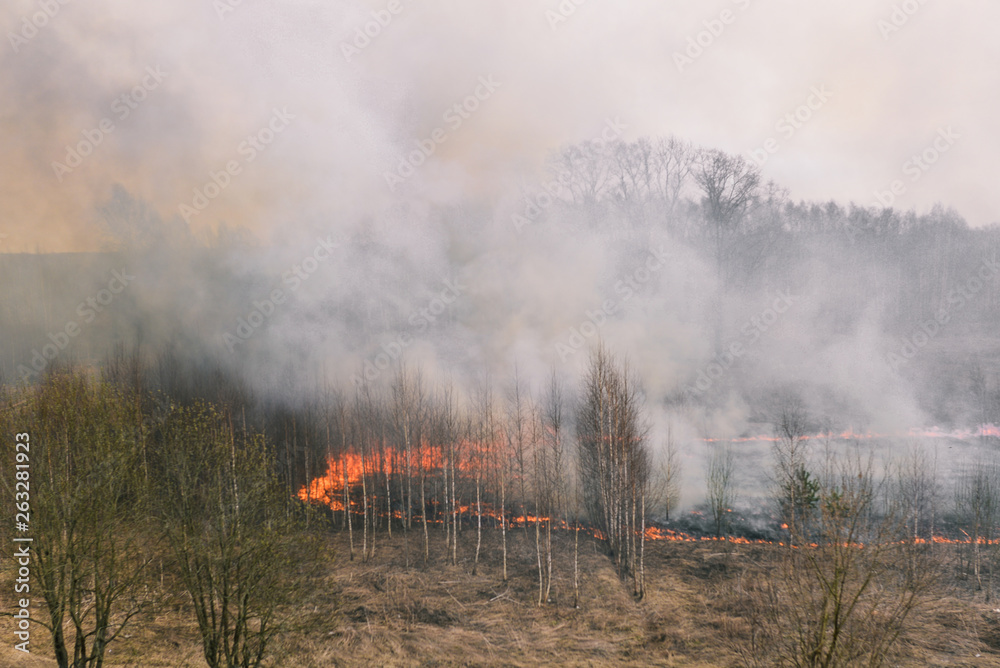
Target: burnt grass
{"points": [[396, 610]]}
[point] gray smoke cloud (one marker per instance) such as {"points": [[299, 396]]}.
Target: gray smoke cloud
{"points": [[310, 192]]}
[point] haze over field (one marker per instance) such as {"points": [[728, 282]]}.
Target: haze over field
{"points": [[225, 70], [298, 203]]}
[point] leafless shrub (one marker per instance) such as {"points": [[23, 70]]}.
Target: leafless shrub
{"points": [[843, 594]]}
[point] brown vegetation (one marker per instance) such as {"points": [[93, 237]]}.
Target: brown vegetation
{"points": [[382, 612], [478, 544]]}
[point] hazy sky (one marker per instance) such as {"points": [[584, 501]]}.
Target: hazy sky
{"points": [[559, 73]]}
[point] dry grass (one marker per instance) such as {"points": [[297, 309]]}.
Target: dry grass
{"points": [[441, 615], [385, 613]]}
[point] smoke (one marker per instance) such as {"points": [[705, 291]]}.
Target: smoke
{"points": [[309, 193], [559, 80]]}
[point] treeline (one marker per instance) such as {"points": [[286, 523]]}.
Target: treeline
{"points": [[923, 281], [913, 265], [136, 493], [901, 266]]}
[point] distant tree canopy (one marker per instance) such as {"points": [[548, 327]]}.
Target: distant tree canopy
{"points": [[915, 264], [707, 192]]}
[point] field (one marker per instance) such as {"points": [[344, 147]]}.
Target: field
{"points": [[383, 612]]}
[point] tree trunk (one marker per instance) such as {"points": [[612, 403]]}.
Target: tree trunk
{"points": [[503, 520], [347, 506], [407, 510], [642, 552], [538, 556], [364, 494], [423, 513], [388, 491], [576, 566], [446, 514], [479, 525], [548, 556], [455, 525], [975, 553]]}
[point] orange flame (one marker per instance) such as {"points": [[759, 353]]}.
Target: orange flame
{"points": [[329, 488]]}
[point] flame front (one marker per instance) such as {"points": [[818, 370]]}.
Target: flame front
{"points": [[329, 489], [345, 474]]}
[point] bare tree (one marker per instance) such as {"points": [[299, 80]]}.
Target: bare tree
{"points": [[502, 448], [614, 461], [916, 493], [550, 479], [423, 457], [796, 488], [541, 493], [407, 416], [87, 511], [978, 506], [232, 533], [721, 488], [485, 437], [363, 414], [584, 169], [632, 174], [672, 162], [344, 425], [842, 595], [518, 426], [449, 430], [671, 470], [730, 186], [850, 595]]}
